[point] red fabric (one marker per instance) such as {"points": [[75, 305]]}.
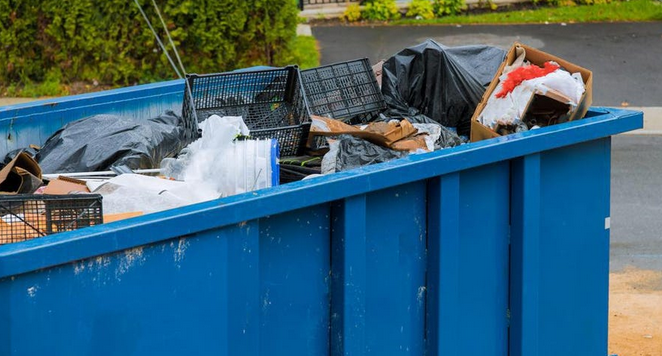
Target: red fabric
{"points": [[517, 76]]}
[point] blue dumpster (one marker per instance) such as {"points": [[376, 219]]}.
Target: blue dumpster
{"points": [[493, 248]]}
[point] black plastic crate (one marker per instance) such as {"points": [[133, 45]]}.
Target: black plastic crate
{"points": [[271, 102], [346, 91], [24, 217]]}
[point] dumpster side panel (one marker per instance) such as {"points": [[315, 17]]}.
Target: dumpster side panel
{"points": [[294, 272], [163, 299], [468, 262], [484, 227], [5, 317], [561, 251], [378, 263], [396, 263], [259, 287], [26, 124]]}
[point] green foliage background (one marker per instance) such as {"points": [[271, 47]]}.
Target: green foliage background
{"points": [[108, 41]]}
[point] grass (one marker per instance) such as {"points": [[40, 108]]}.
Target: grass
{"points": [[305, 52], [618, 11]]}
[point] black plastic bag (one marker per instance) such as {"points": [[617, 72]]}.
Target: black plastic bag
{"points": [[443, 83], [99, 142], [349, 152], [31, 151]]}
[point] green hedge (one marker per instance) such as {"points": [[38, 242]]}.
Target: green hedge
{"points": [[109, 41]]}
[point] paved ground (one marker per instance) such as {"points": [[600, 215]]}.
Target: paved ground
{"points": [[625, 58], [636, 233]]}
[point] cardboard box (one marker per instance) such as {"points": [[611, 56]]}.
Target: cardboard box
{"points": [[481, 132], [20, 176]]}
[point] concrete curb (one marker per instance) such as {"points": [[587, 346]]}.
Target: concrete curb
{"points": [[304, 30], [652, 121]]}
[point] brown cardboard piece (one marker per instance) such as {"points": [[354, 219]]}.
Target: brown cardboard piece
{"points": [[481, 132], [65, 185], [380, 133], [108, 218], [21, 175], [26, 228]]}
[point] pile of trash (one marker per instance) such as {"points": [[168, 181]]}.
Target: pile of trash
{"points": [[252, 130]]}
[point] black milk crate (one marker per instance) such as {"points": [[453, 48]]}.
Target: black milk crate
{"points": [[27, 216], [346, 91], [271, 102]]}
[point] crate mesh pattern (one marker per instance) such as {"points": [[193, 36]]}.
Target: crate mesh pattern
{"points": [[345, 91], [271, 102], [25, 217]]}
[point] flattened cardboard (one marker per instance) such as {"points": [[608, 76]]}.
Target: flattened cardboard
{"points": [[65, 185], [108, 218], [481, 132], [379, 133]]}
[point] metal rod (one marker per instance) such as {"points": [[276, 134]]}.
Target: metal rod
{"points": [[157, 38], [179, 60], [93, 174]]}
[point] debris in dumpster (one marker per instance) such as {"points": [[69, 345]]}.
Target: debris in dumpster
{"points": [[216, 165], [377, 69], [385, 134], [348, 152], [297, 168], [22, 175], [293, 173], [108, 218], [533, 96], [31, 150], [443, 83], [99, 174], [438, 136], [99, 142], [218, 132], [531, 89], [346, 91], [24, 216], [65, 185], [133, 192], [222, 166], [271, 102]]}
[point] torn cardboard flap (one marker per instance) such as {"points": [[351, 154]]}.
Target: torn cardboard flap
{"points": [[534, 56], [20, 176], [385, 134]]}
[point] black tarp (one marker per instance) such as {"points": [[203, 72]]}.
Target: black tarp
{"points": [[99, 142], [443, 83], [349, 152]]}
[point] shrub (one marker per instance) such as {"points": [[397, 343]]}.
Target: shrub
{"points": [[109, 41], [448, 7], [352, 13], [381, 10], [422, 8], [487, 4], [593, 2]]}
